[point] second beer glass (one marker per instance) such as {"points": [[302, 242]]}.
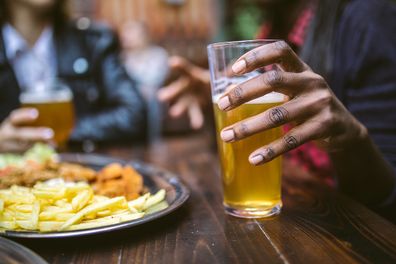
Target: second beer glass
{"points": [[54, 102], [249, 191]]}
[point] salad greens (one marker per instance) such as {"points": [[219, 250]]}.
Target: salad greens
{"points": [[39, 153]]}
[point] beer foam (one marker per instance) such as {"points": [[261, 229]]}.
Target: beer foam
{"points": [[272, 97], [43, 97]]}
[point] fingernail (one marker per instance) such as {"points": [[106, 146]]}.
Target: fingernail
{"points": [[256, 159], [227, 135], [48, 133], [33, 113], [224, 103], [239, 66]]}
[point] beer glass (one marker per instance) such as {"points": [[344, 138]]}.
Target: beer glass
{"points": [[54, 102], [249, 191]]}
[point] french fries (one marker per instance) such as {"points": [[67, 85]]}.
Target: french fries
{"points": [[69, 206]]}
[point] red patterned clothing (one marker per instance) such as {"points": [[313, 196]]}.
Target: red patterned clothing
{"points": [[308, 156]]}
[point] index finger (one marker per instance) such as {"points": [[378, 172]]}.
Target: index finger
{"points": [[180, 63], [278, 52], [174, 90], [23, 116]]}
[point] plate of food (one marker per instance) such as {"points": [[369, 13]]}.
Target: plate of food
{"points": [[48, 195]]}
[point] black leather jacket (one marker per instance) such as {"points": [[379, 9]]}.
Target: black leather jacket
{"points": [[108, 106]]}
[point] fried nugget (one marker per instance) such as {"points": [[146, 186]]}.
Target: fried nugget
{"points": [[111, 171], [133, 182]]}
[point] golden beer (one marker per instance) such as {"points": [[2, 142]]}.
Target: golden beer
{"points": [[56, 113], [249, 191]]}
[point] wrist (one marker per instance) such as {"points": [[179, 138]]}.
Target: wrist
{"points": [[358, 134], [354, 137]]}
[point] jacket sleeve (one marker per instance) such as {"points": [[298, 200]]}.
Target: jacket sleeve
{"points": [[122, 113]]}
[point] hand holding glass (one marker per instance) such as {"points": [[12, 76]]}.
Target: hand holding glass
{"points": [[54, 104], [249, 191]]}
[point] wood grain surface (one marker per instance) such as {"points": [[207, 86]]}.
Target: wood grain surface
{"points": [[316, 225]]}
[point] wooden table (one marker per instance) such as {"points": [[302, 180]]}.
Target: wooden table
{"points": [[315, 226]]}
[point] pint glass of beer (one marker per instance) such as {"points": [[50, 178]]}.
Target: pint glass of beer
{"points": [[249, 191], [54, 102]]}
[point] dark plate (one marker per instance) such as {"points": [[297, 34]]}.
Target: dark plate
{"points": [[11, 252], [154, 179]]}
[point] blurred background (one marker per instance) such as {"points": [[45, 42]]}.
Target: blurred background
{"points": [[179, 27], [182, 27]]}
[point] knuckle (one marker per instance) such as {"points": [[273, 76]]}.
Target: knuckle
{"points": [[282, 47], [14, 114], [268, 153], [320, 131], [15, 111], [290, 141], [324, 98], [8, 133], [241, 130], [318, 81], [278, 115], [328, 119], [252, 57], [236, 94], [273, 78]]}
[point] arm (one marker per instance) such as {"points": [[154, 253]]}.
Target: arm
{"points": [[364, 76], [122, 115], [363, 172]]}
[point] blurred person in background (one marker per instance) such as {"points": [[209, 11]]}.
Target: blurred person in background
{"points": [[349, 46], [39, 43], [147, 64]]}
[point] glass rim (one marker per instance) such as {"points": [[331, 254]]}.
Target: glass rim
{"points": [[223, 44]]}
